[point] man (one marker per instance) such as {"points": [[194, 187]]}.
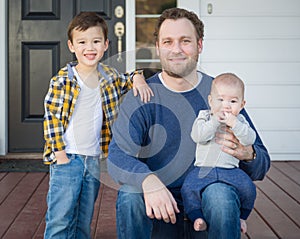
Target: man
{"points": [[151, 151]]}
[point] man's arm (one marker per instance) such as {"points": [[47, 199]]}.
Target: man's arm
{"points": [[254, 159], [125, 166], [128, 132], [159, 201], [125, 169]]}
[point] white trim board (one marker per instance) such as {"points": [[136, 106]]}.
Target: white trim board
{"points": [[3, 79]]}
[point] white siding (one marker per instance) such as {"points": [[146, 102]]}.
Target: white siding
{"points": [[260, 42]]}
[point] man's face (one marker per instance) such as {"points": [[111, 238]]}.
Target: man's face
{"points": [[178, 48]]}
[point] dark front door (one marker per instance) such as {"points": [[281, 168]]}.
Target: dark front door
{"points": [[37, 50]]}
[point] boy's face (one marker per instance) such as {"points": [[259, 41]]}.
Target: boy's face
{"points": [[89, 46], [226, 98]]}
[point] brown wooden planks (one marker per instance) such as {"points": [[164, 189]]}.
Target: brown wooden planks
{"points": [[106, 225], [27, 222], [276, 219], [23, 205], [257, 228], [17, 199], [289, 170], [8, 183], [282, 200]]}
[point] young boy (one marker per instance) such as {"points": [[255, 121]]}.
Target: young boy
{"points": [[226, 100], [80, 107]]}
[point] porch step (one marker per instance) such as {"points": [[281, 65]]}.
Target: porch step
{"points": [[22, 156], [22, 162]]}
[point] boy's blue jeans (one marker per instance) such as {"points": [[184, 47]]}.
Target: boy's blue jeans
{"points": [[73, 190], [221, 208]]}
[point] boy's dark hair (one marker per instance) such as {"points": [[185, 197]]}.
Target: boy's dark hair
{"points": [[85, 20], [178, 13]]}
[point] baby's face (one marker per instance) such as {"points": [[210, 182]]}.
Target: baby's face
{"points": [[226, 99]]}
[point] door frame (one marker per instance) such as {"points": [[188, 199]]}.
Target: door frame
{"points": [[3, 78]]}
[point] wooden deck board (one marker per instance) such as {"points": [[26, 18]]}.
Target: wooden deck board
{"points": [[262, 230], [285, 183], [17, 200], [39, 234], [289, 170], [23, 205], [293, 164], [29, 218], [8, 183], [276, 219], [106, 225], [281, 200], [96, 212], [2, 175]]}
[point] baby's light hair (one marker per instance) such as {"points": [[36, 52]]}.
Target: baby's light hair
{"points": [[231, 80]]}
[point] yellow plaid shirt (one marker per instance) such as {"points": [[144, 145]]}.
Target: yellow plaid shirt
{"points": [[61, 99]]}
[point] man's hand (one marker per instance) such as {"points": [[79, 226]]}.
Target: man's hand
{"points": [[231, 145], [141, 87], [159, 201]]}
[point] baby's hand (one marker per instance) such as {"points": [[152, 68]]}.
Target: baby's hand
{"points": [[228, 118], [220, 116]]}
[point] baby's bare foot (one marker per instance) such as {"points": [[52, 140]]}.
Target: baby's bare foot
{"points": [[200, 225], [243, 226]]}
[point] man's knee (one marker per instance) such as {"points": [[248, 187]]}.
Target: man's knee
{"points": [[220, 198], [130, 201], [132, 221]]}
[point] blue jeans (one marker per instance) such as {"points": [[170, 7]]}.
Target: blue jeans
{"points": [[73, 190], [133, 223], [194, 185], [221, 209]]}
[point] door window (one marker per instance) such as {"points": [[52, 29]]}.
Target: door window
{"points": [[147, 11]]}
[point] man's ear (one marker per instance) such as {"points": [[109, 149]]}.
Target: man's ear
{"points": [[200, 45], [71, 47], [156, 47]]}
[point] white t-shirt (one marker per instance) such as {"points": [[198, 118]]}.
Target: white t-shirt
{"points": [[84, 130]]}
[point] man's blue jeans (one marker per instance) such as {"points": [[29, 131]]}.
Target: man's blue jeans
{"points": [[73, 189], [221, 209]]}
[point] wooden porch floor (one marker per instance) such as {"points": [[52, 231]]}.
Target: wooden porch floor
{"points": [[23, 205]]}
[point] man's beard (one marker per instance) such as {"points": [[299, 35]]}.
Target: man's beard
{"points": [[170, 73], [180, 73]]}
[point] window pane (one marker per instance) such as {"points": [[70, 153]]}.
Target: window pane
{"points": [[144, 31], [145, 59], [153, 6], [147, 12]]}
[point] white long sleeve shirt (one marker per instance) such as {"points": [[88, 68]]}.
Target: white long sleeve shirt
{"points": [[208, 152]]}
